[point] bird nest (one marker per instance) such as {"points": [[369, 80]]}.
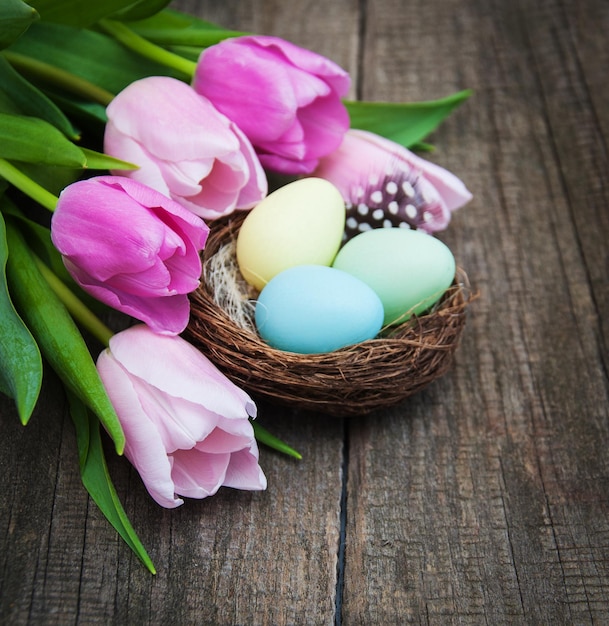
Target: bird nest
{"points": [[351, 381]]}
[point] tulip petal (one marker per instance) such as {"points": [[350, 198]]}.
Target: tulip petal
{"points": [[452, 190], [143, 445], [132, 116], [236, 428], [256, 186], [286, 99], [149, 169], [202, 163], [377, 173], [282, 165], [220, 442], [244, 472], [184, 178], [197, 474], [181, 424], [166, 315], [91, 238], [186, 372], [230, 75], [325, 125], [178, 446], [149, 197], [306, 60]]}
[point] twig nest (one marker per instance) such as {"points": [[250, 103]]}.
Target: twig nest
{"points": [[350, 381]]}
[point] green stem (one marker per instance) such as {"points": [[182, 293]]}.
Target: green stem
{"points": [[264, 436], [27, 185], [62, 78], [75, 306], [147, 49]]}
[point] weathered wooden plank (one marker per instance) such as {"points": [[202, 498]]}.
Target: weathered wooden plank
{"points": [[235, 558], [484, 499], [329, 28]]}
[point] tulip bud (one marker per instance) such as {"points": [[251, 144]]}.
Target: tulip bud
{"points": [[131, 247], [187, 428], [286, 99], [184, 147]]}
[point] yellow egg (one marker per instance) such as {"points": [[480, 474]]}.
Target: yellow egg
{"points": [[301, 223]]}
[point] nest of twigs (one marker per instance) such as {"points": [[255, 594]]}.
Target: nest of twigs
{"points": [[351, 381]]}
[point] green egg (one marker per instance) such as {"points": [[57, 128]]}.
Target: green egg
{"points": [[408, 269]]}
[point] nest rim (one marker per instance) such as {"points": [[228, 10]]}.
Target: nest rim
{"points": [[350, 381]]}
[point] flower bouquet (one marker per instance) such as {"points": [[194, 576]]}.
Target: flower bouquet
{"points": [[156, 142]]}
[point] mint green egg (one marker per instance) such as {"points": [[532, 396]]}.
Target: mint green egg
{"points": [[408, 269]]}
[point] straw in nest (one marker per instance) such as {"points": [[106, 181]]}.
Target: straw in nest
{"points": [[351, 381]]}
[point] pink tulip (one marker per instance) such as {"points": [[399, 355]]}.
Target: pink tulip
{"points": [[286, 99], [186, 425], [384, 184], [184, 147], [131, 247]]}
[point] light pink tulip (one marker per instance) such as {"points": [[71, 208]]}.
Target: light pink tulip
{"points": [[286, 99], [131, 247], [184, 147], [186, 425], [386, 185]]}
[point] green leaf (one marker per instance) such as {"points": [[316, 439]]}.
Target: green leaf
{"points": [[406, 123], [90, 116], [19, 96], [52, 178], [173, 28], [49, 76], [101, 161], [20, 361], [15, 18], [140, 10], [96, 478], [78, 13], [33, 140], [93, 56], [265, 437], [57, 335]]}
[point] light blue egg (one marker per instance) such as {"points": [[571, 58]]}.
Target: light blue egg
{"points": [[311, 309]]}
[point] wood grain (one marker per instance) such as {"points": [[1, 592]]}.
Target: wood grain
{"points": [[495, 508], [482, 499]]}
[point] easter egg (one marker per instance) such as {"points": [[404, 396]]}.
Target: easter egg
{"points": [[312, 309], [300, 223], [408, 269]]}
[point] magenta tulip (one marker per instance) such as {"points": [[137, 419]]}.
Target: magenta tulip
{"points": [[184, 147], [384, 184], [186, 425], [131, 247], [286, 99]]}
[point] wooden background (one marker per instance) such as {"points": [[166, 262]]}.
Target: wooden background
{"points": [[482, 500]]}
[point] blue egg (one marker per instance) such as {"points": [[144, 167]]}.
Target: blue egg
{"points": [[312, 308]]}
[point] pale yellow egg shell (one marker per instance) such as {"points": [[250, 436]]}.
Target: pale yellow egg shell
{"points": [[301, 223]]}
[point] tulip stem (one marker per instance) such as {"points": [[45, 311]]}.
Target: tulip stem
{"points": [[24, 183], [60, 77], [146, 48], [77, 309], [264, 436]]}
